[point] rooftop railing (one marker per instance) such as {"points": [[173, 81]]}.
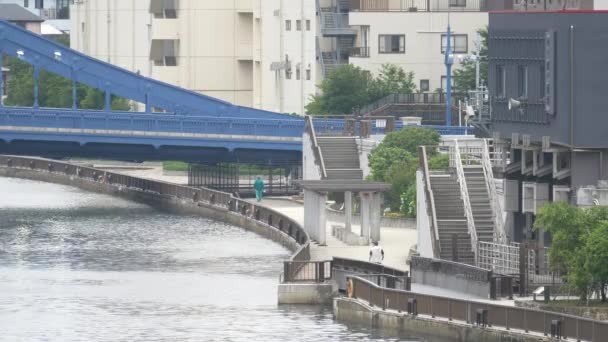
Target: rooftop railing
{"points": [[418, 5]]}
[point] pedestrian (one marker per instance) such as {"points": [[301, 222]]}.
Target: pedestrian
{"points": [[259, 188], [376, 253]]}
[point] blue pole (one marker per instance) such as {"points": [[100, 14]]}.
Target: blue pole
{"points": [[448, 77], [36, 78], [74, 95], [1, 81]]}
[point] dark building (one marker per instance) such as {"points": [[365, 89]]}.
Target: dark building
{"points": [[553, 68]]}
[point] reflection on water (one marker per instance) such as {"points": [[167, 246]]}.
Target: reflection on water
{"points": [[77, 266]]}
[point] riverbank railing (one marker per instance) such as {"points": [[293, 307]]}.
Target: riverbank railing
{"points": [[480, 313], [201, 196]]}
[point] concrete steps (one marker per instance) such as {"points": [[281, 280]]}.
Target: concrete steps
{"points": [[341, 157]]}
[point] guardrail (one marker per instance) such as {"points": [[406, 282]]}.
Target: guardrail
{"points": [[499, 233], [430, 201], [464, 194], [215, 199], [480, 313], [409, 99], [306, 271]]}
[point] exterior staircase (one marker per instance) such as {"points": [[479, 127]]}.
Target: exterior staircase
{"points": [[451, 217], [341, 157], [329, 61], [480, 203]]}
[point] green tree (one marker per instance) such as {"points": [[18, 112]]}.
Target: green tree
{"points": [[395, 161], [464, 76], [393, 79], [348, 88]]}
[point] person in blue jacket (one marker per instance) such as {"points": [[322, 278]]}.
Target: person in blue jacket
{"points": [[259, 188]]}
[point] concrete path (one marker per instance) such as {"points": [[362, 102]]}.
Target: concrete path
{"points": [[396, 242]]}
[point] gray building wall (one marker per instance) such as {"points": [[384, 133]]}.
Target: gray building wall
{"points": [[517, 38]]}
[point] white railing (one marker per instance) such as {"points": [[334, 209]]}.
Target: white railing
{"points": [[464, 193], [430, 202], [315, 146], [499, 225], [499, 258]]}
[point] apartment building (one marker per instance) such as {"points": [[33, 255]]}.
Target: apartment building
{"points": [[55, 13], [259, 53]]}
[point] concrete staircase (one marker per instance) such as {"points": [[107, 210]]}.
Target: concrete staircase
{"points": [[341, 157], [480, 203], [451, 216]]}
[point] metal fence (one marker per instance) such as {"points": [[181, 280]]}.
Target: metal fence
{"points": [[306, 271], [508, 317]]}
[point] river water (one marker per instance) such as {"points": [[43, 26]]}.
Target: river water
{"points": [[77, 266]]}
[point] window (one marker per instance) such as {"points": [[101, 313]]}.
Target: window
{"points": [[298, 25], [163, 9], [308, 74], [522, 81], [424, 85], [298, 76], [391, 43], [307, 25], [63, 9], [26, 3], [288, 73], [458, 3], [39, 4], [444, 82], [164, 52], [287, 25], [500, 81], [459, 43]]}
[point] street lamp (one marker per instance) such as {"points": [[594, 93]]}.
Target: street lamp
{"points": [[449, 61]]}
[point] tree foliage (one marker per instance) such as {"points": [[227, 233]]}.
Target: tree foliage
{"points": [[464, 76], [395, 161], [348, 88], [54, 91], [579, 247]]}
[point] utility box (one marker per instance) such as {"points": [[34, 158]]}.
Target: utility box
{"points": [[534, 196]]}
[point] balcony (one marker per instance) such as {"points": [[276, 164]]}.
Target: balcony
{"points": [[418, 5], [360, 52], [165, 29]]}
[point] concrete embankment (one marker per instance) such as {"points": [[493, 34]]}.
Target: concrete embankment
{"points": [[401, 324]]}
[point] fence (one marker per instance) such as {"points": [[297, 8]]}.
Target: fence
{"points": [[306, 271], [508, 317], [213, 198]]}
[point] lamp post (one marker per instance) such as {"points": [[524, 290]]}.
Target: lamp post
{"points": [[449, 60]]}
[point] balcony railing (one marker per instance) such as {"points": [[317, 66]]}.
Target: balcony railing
{"points": [[362, 52], [418, 5]]}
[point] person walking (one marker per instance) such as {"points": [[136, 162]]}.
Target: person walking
{"points": [[259, 188], [376, 253]]}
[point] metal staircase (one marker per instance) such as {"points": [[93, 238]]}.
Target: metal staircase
{"points": [[340, 157]]}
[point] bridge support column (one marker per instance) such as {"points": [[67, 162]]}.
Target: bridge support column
{"points": [[74, 94], [108, 100], [365, 215], [348, 210], [315, 223], [36, 79]]}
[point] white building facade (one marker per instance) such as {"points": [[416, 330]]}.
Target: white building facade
{"points": [[258, 53], [410, 36]]}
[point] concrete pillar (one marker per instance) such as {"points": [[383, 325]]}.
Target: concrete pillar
{"points": [[375, 216], [36, 86], [314, 216], [348, 210], [1, 80], [365, 215]]}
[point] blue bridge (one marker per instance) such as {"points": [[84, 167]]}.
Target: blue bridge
{"points": [[189, 126]]}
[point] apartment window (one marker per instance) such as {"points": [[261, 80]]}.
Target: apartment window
{"points": [[39, 4], [287, 25], [424, 85], [164, 9], [164, 52], [63, 9], [26, 3], [444, 83], [298, 25], [458, 3], [391, 43], [298, 76], [522, 81], [500, 81], [307, 25], [459, 43], [308, 74]]}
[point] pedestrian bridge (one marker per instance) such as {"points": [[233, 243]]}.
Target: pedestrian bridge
{"points": [[177, 123]]}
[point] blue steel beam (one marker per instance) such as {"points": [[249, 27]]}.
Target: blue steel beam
{"points": [[79, 67]]}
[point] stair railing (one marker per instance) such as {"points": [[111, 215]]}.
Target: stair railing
{"points": [[499, 228], [430, 202], [464, 194], [310, 129]]}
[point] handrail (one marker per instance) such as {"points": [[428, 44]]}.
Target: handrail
{"points": [[315, 146], [499, 231], [464, 194], [430, 203], [413, 98]]}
